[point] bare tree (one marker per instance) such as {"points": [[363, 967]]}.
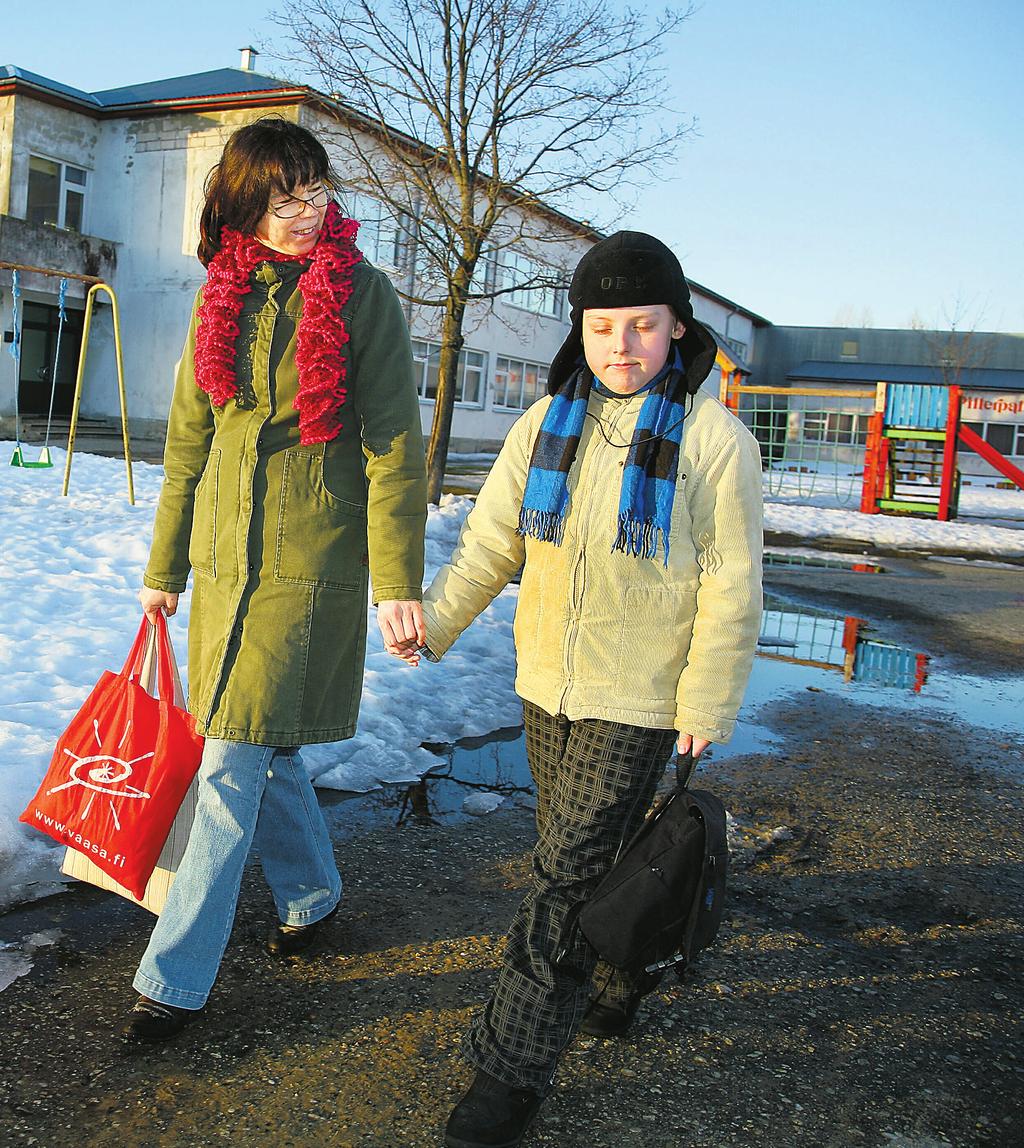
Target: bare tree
{"points": [[959, 346], [476, 122]]}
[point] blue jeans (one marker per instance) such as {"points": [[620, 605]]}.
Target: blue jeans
{"points": [[248, 794]]}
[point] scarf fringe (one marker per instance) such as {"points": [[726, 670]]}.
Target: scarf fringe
{"points": [[325, 286], [544, 525], [640, 537]]}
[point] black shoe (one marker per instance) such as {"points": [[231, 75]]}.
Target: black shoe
{"points": [[610, 1020], [492, 1114], [150, 1020], [289, 940]]}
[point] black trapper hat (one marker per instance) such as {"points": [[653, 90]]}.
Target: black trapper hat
{"points": [[632, 269]]}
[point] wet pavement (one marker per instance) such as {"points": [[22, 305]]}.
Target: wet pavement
{"points": [[865, 989], [800, 648]]}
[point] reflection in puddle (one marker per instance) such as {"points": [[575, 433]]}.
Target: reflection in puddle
{"points": [[472, 769], [811, 638], [795, 559]]}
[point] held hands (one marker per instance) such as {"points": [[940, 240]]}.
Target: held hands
{"points": [[687, 741], [401, 627], [153, 601]]}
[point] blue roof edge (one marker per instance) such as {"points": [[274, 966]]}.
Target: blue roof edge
{"points": [[12, 72]]}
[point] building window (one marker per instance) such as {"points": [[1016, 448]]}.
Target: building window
{"points": [[518, 384], [56, 193], [1007, 438], [835, 428], [518, 268], [469, 385], [850, 349], [382, 239]]}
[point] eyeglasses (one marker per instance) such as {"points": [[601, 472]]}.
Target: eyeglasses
{"points": [[294, 206]]}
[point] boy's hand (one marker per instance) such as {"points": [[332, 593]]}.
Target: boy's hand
{"points": [[687, 742]]}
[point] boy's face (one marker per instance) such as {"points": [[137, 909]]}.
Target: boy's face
{"points": [[626, 347]]}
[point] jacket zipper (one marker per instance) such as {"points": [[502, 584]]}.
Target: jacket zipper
{"points": [[579, 570]]}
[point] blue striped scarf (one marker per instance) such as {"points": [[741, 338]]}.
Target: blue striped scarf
{"points": [[648, 476]]}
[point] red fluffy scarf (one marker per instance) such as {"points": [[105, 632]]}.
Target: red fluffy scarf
{"points": [[319, 357]]}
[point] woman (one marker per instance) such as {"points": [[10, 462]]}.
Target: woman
{"points": [[294, 471], [633, 501]]}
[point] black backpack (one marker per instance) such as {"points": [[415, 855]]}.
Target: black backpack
{"points": [[662, 900]]}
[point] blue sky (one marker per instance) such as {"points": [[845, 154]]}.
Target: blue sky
{"points": [[854, 161]]}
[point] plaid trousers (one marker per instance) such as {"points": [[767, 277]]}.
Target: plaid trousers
{"points": [[595, 782]]}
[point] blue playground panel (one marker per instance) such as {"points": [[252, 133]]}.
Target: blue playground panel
{"points": [[921, 406]]}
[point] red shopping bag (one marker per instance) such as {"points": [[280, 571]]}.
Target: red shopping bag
{"points": [[121, 770]]}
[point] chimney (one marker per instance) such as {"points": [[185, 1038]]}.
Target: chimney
{"points": [[248, 59]]}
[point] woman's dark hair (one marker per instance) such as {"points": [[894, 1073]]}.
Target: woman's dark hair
{"points": [[270, 157]]}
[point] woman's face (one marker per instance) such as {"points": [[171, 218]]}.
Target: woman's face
{"points": [[627, 346], [297, 234]]}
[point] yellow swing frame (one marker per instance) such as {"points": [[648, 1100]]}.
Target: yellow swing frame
{"points": [[96, 286]]}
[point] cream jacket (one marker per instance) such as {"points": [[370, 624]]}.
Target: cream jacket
{"points": [[607, 635]]}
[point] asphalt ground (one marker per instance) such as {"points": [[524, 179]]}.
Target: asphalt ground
{"points": [[865, 989]]}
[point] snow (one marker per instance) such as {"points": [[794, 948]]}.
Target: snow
{"points": [[819, 512], [16, 957], [68, 611], [480, 804]]}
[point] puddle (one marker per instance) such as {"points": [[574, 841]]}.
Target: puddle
{"points": [[799, 648], [794, 559], [469, 775]]}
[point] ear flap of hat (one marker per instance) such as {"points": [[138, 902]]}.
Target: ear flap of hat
{"points": [[567, 355], [698, 351]]}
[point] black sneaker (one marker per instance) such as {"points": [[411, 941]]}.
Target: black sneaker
{"points": [[610, 1020], [151, 1021], [492, 1114], [290, 940]]}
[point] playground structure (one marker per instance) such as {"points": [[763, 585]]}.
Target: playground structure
{"points": [[894, 444], [95, 287]]}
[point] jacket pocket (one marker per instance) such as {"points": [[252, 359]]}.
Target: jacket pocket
{"points": [[657, 624], [321, 539], [202, 543]]}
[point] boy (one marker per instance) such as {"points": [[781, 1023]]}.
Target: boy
{"points": [[633, 501]]}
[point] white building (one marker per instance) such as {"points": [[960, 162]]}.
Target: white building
{"points": [[109, 184]]}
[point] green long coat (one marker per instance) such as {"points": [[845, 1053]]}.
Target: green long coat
{"points": [[281, 538]]}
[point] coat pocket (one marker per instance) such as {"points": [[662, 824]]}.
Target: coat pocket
{"points": [[321, 539], [654, 639], [202, 543]]}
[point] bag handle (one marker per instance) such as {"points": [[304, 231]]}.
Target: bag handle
{"points": [[153, 645], [133, 664], [686, 764]]}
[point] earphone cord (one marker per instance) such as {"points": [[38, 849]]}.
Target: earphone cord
{"points": [[653, 437]]}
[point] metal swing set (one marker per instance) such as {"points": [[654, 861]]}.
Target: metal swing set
{"points": [[96, 286]]}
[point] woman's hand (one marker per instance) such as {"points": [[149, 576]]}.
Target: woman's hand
{"points": [[153, 601], [402, 628], [688, 742]]}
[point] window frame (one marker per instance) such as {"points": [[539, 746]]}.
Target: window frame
{"points": [[499, 391], [422, 359], [981, 428], [389, 234], [547, 302], [832, 430], [65, 186]]}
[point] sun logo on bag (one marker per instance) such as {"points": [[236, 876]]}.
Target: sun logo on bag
{"points": [[102, 772]]}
